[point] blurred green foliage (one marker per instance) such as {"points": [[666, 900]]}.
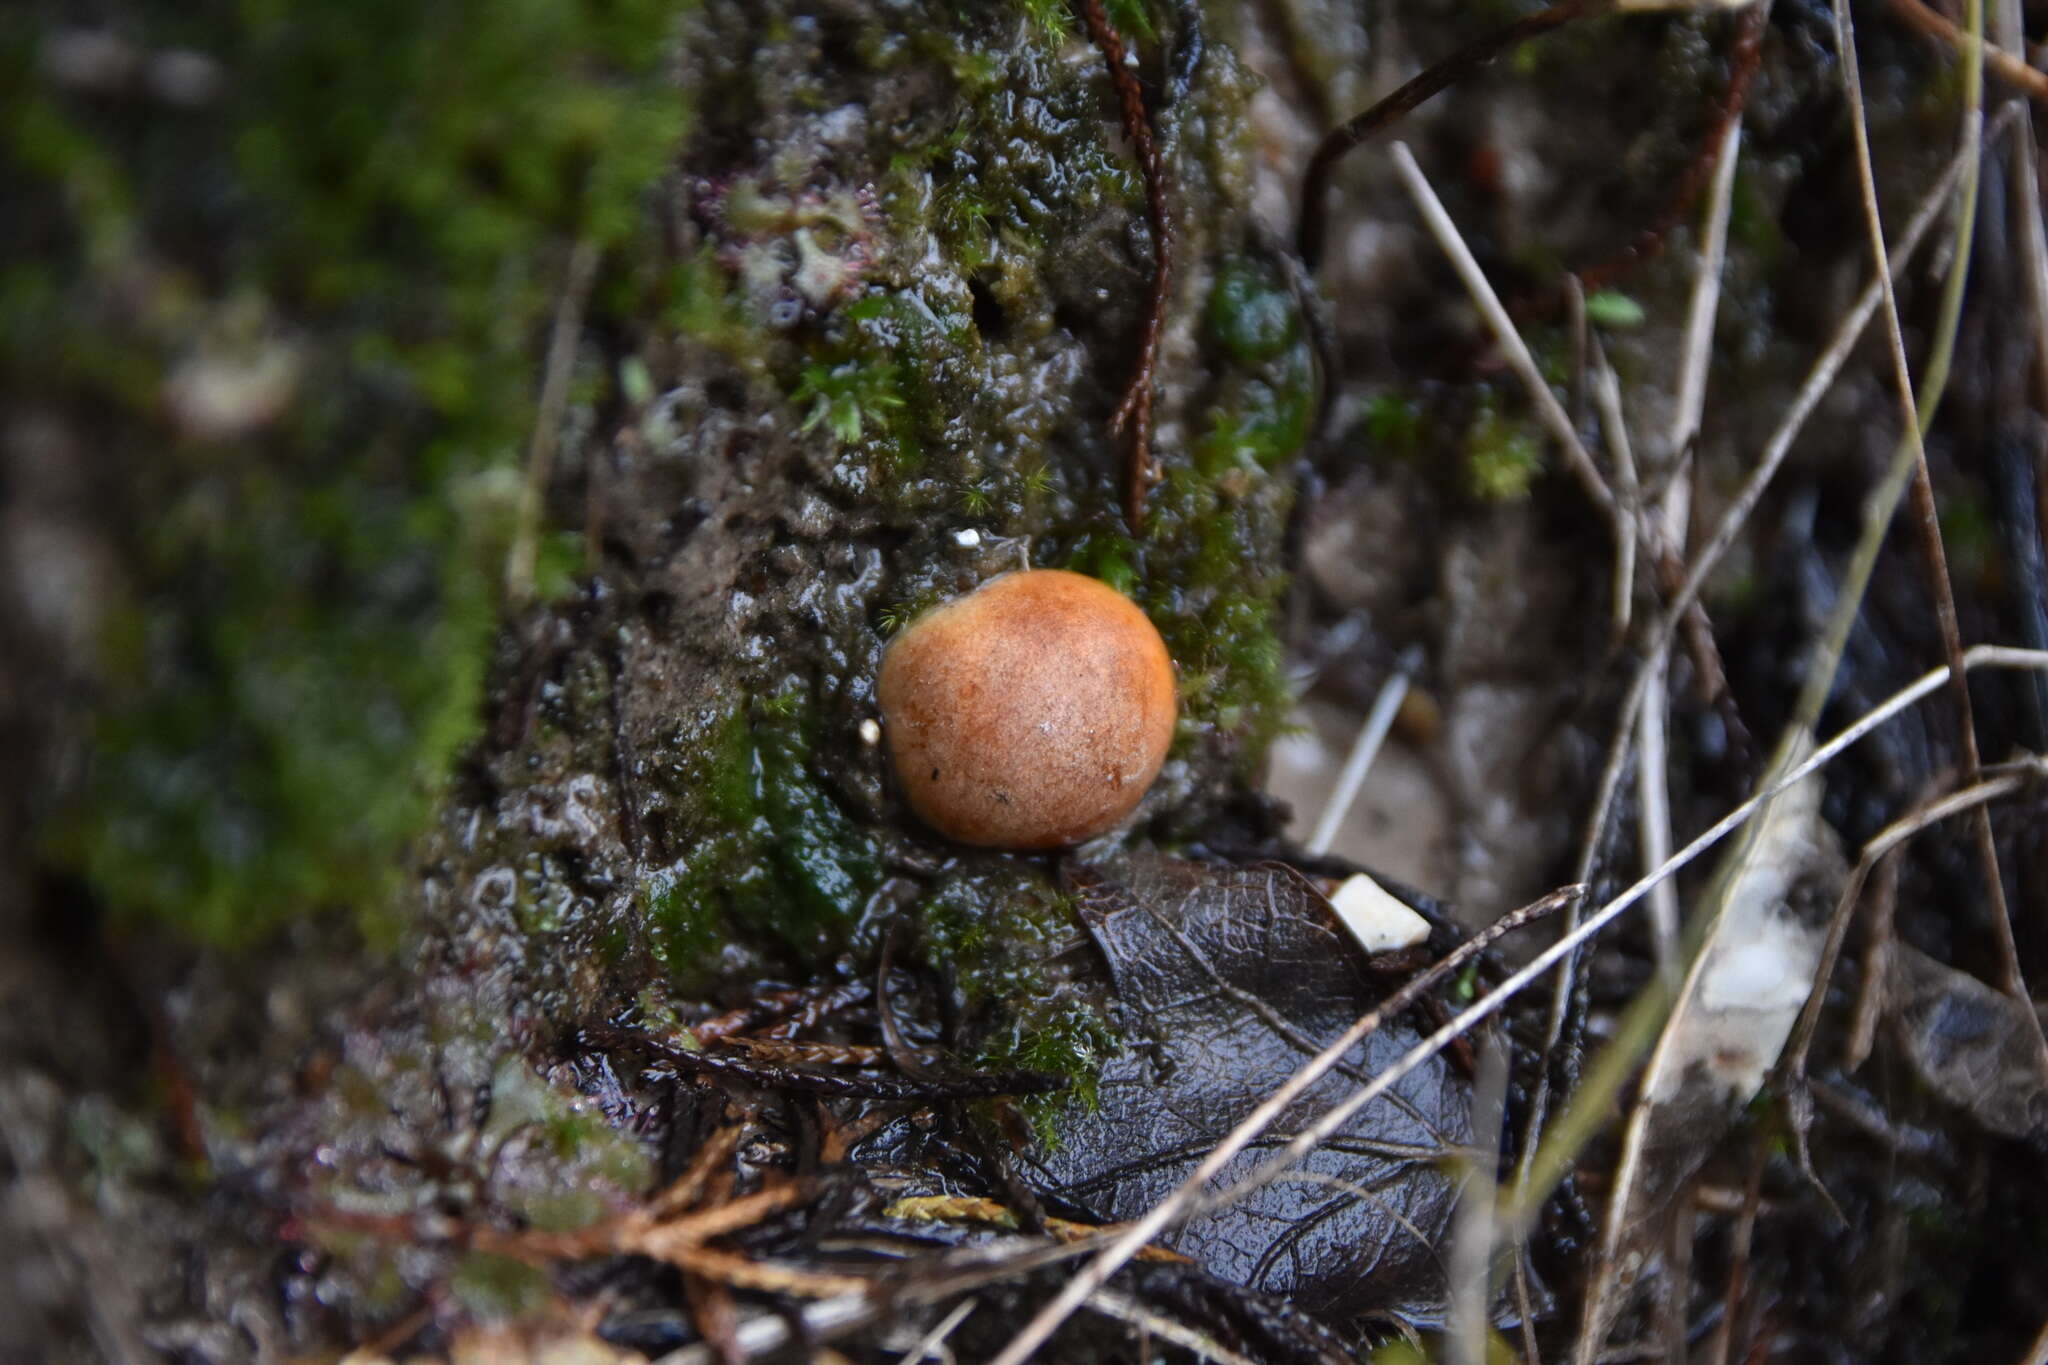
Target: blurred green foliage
{"points": [[371, 207]]}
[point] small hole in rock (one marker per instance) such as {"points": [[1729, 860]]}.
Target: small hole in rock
{"points": [[989, 318]]}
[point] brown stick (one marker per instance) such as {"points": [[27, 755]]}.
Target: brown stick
{"points": [[1743, 56], [1999, 62], [1926, 521], [1133, 416], [1346, 137]]}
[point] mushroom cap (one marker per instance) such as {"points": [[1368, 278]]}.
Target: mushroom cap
{"points": [[1032, 712]]}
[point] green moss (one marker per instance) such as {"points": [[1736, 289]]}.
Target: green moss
{"points": [[1107, 555], [1061, 1035], [592, 1170], [377, 207], [847, 399], [703, 306], [1020, 171], [994, 928], [1970, 535], [777, 863], [1503, 456], [1133, 18], [1251, 313], [1393, 425], [1265, 426], [897, 615], [871, 385], [1612, 308], [493, 1286], [1205, 571], [1050, 19]]}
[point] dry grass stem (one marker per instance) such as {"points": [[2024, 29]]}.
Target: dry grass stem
{"points": [[1130, 1312], [1698, 349], [1916, 423], [928, 1345], [1628, 487], [1548, 409], [547, 420], [1476, 1235], [1653, 796], [1738, 1271], [2009, 68], [1544, 1166], [1877, 959], [1371, 734], [1888, 840], [1820, 378], [2037, 1354]]}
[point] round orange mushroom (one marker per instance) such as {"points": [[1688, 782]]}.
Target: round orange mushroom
{"points": [[1031, 713]]}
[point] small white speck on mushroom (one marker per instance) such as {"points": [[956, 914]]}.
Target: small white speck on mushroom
{"points": [[871, 732]]}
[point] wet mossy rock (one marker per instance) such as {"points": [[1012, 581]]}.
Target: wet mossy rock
{"points": [[881, 289], [904, 273], [870, 277]]}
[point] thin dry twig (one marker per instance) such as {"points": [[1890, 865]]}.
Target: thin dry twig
{"points": [[1820, 378], [1477, 1234], [1652, 792], [2037, 1354], [1665, 538], [2006, 66], [770, 1331], [1974, 798], [1675, 1295], [950, 1208], [1188, 1198], [1595, 1096], [1371, 734], [2010, 37], [1879, 508], [547, 419], [1628, 487], [1697, 351], [1925, 514], [1738, 1269], [731, 1268], [1341, 141], [1877, 959], [1641, 712], [1654, 798], [689, 1187], [1548, 409], [1133, 416], [1745, 53], [928, 1345], [716, 1316], [1127, 1310], [1336, 1117]]}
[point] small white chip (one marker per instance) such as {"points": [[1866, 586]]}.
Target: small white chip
{"points": [[967, 539], [1380, 923], [871, 732]]}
